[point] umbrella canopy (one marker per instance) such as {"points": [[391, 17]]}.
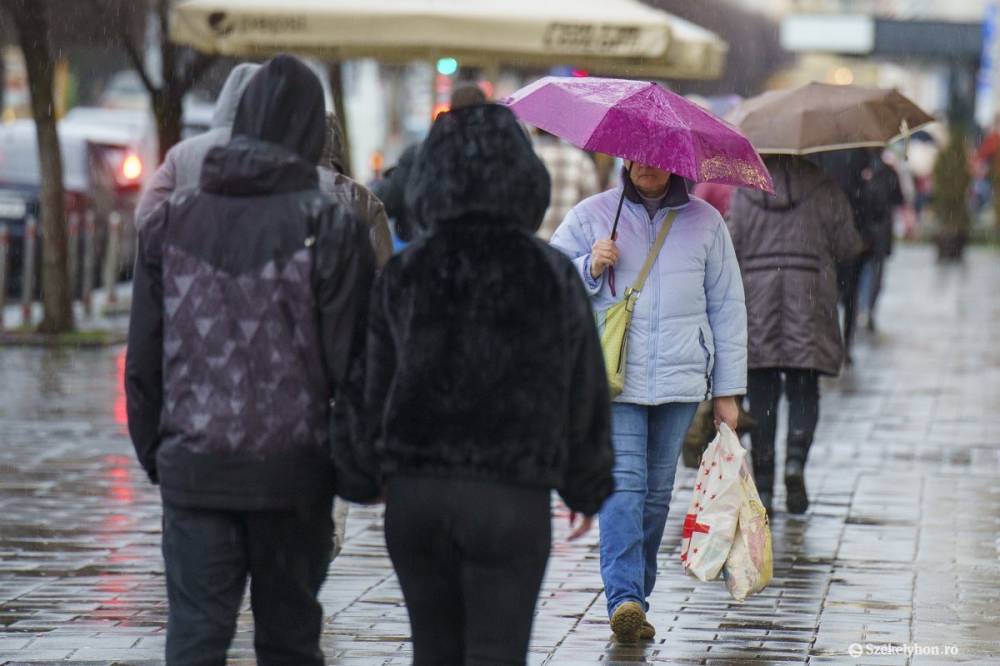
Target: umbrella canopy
{"points": [[643, 122], [819, 117], [608, 36]]}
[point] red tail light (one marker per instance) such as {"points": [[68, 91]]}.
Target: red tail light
{"points": [[131, 168]]}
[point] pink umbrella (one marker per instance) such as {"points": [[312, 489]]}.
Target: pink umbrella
{"points": [[645, 123]]}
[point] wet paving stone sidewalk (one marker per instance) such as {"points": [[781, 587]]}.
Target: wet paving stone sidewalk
{"points": [[899, 550]]}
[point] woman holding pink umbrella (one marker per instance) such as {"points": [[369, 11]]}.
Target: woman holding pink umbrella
{"points": [[688, 335]]}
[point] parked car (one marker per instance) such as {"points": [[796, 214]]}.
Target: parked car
{"points": [[106, 155], [125, 90]]}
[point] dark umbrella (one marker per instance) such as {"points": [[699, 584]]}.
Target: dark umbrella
{"points": [[820, 117], [845, 167]]}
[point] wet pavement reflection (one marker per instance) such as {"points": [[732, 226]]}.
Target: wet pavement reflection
{"points": [[900, 546]]}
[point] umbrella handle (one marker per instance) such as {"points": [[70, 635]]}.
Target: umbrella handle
{"points": [[904, 129], [621, 200]]}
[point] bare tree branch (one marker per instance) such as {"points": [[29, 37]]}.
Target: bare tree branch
{"points": [[108, 8], [195, 71], [163, 11], [137, 61]]}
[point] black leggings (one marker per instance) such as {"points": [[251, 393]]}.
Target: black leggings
{"points": [[470, 557], [878, 274], [764, 391], [848, 277]]}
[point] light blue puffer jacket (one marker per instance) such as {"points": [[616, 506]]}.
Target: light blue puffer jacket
{"points": [[688, 340]]}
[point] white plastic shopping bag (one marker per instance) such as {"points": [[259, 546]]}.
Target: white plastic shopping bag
{"points": [[712, 517], [749, 567]]}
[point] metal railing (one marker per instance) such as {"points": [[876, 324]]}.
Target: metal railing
{"points": [[82, 240]]}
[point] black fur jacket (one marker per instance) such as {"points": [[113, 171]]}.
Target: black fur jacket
{"points": [[483, 360]]}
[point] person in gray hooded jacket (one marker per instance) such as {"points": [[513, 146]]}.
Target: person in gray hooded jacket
{"points": [[181, 167]]}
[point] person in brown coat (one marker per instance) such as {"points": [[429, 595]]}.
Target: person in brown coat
{"points": [[788, 245]]}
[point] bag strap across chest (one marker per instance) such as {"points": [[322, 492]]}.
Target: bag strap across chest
{"points": [[640, 280]]}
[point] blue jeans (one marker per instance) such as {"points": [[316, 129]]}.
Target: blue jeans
{"points": [[647, 442]]}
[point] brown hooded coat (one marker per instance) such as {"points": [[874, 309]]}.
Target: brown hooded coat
{"points": [[788, 245]]}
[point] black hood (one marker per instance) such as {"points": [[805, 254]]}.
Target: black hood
{"points": [[676, 194], [283, 104], [477, 166]]}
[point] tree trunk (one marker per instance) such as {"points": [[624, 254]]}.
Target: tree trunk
{"points": [[177, 73], [168, 110], [3, 81], [31, 20], [336, 75]]}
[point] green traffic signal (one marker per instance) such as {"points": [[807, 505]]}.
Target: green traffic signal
{"points": [[447, 66]]}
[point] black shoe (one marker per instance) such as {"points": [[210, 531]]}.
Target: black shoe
{"points": [[767, 499], [795, 486]]}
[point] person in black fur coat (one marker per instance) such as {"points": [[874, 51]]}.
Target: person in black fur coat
{"points": [[486, 386]]}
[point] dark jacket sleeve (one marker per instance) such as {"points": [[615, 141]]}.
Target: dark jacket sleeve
{"points": [[345, 267], [845, 240], [381, 361], [392, 192], [144, 357], [588, 480]]}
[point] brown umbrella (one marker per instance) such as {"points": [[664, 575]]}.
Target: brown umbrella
{"points": [[818, 117]]}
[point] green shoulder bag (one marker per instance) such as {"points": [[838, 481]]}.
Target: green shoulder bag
{"points": [[614, 322]]}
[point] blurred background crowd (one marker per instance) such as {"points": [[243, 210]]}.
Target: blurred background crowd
{"points": [[130, 78]]}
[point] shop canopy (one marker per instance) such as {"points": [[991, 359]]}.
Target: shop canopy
{"points": [[614, 37]]}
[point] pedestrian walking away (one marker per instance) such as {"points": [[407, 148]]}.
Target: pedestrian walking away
{"points": [[486, 386], [181, 168], [868, 190], [391, 190], [788, 246], [248, 307], [716, 194], [344, 190], [334, 182], [881, 194], [573, 176], [687, 343]]}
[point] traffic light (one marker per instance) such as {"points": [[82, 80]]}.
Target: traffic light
{"points": [[443, 84], [447, 66]]}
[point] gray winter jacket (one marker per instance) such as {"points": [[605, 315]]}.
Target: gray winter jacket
{"points": [[181, 167], [788, 245]]}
